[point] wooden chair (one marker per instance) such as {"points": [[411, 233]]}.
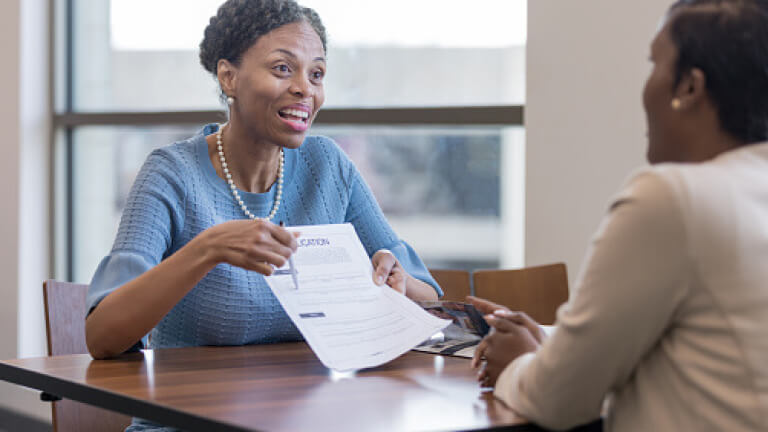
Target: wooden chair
{"points": [[65, 330], [537, 291], [455, 284]]}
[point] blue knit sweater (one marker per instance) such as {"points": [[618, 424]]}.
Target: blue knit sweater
{"points": [[177, 194]]}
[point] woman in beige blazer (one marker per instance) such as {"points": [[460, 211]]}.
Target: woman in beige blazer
{"points": [[667, 326]]}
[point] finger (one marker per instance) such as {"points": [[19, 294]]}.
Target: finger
{"points": [[383, 263], [523, 319], [281, 235], [483, 305], [397, 282], [261, 267], [482, 376], [277, 249], [479, 355], [519, 317], [267, 236], [257, 255], [490, 380], [504, 325]]}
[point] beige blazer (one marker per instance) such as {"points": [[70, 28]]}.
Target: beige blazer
{"points": [[668, 320]]}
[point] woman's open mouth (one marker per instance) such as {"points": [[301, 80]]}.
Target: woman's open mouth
{"points": [[297, 119]]}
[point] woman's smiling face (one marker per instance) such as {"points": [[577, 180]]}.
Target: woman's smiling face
{"points": [[278, 85]]}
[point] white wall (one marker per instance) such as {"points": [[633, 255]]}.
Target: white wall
{"points": [[24, 122], [587, 64]]}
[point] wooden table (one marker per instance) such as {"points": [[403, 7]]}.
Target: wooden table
{"points": [[280, 387]]}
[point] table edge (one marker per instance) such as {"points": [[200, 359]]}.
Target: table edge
{"points": [[113, 401]]}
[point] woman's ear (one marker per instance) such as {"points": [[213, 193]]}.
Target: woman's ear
{"points": [[691, 91], [227, 75]]}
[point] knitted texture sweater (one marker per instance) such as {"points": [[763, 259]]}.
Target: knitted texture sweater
{"points": [[178, 194]]}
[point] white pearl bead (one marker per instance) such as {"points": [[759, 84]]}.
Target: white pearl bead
{"points": [[235, 194]]}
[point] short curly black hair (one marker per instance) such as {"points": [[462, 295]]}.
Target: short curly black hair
{"points": [[238, 24], [728, 41]]}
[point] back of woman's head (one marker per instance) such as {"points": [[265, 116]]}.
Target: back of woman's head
{"points": [[728, 41]]}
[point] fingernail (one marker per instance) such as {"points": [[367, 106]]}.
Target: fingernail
{"points": [[379, 280]]}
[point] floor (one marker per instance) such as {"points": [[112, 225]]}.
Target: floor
{"points": [[11, 421]]}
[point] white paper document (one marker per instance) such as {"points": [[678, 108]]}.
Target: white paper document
{"points": [[349, 322]]}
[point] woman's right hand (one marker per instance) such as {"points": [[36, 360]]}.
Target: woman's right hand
{"points": [[130, 312], [255, 245], [487, 307], [484, 306]]}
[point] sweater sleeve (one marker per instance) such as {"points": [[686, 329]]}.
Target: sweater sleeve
{"points": [[634, 279], [152, 216], [374, 231]]}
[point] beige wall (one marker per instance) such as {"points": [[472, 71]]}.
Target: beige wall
{"points": [[587, 63], [10, 13], [24, 192]]}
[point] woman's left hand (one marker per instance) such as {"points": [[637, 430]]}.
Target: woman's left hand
{"points": [[508, 339], [387, 269]]}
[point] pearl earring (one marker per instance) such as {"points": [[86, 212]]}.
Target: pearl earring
{"points": [[676, 104], [230, 100]]}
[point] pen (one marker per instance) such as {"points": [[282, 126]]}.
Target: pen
{"points": [[292, 267]]}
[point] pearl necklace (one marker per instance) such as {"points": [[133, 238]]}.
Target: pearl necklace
{"points": [[233, 188]]}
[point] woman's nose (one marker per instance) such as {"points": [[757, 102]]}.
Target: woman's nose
{"points": [[301, 87]]}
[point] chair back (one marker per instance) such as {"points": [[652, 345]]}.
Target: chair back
{"points": [[455, 284], [537, 291], [65, 332]]}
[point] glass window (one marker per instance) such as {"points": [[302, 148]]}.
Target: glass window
{"points": [[437, 186], [141, 55]]}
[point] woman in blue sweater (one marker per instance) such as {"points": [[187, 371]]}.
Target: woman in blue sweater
{"points": [[200, 230]]}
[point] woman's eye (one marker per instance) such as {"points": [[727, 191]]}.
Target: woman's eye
{"points": [[318, 75], [282, 68]]}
